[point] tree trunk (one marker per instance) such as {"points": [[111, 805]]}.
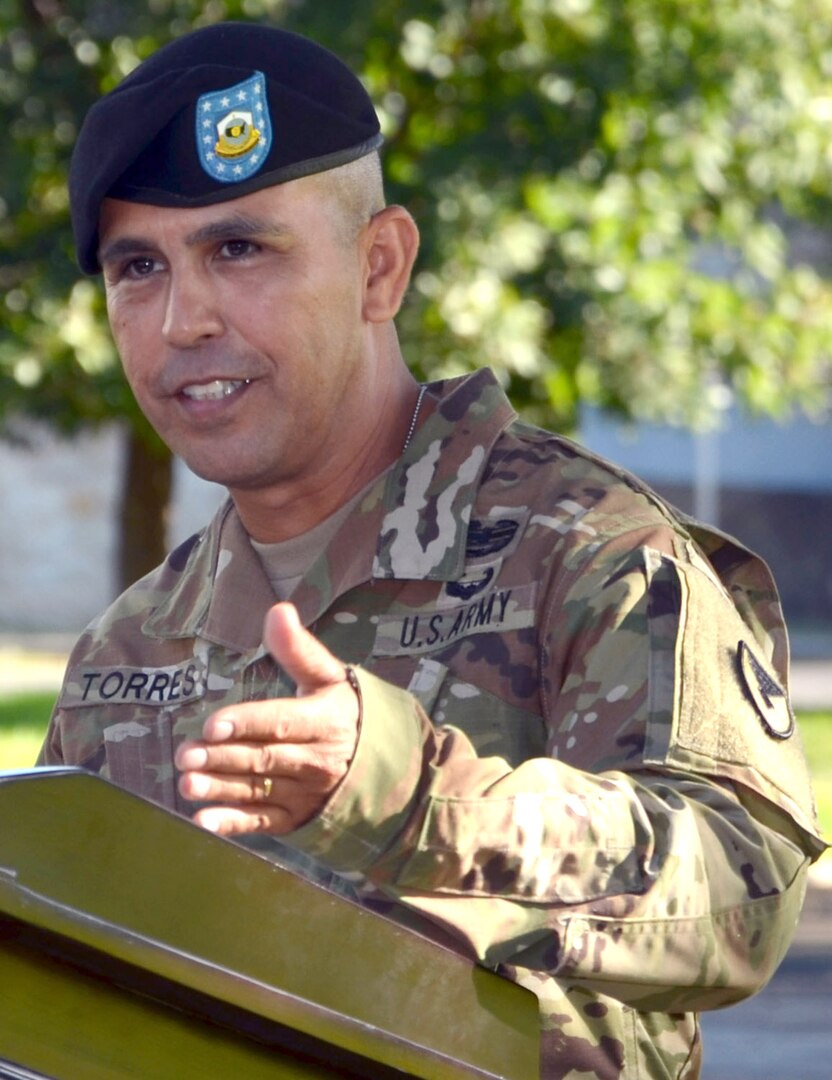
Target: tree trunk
{"points": [[146, 491]]}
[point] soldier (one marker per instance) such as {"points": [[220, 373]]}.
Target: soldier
{"points": [[501, 684]]}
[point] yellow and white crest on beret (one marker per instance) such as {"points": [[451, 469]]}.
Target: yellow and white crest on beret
{"points": [[233, 130], [237, 135]]}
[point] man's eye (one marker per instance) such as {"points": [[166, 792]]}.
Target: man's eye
{"points": [[238, 249], [140, 267]]}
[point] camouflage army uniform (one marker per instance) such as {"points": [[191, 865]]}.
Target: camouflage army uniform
{"points": [[575, 755]]}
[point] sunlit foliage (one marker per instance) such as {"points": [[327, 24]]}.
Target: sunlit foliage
{"points": [[609, 193]]}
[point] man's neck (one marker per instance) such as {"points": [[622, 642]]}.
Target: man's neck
{"points": [[279, 512]]}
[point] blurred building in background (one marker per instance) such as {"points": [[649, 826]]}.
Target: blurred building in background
{"points": [[58, 527], [766, 483]]}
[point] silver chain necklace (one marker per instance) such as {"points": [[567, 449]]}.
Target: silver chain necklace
{"points": [[414, 417]]}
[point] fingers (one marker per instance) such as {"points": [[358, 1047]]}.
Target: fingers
{"points": [[252, 772], [307, 662], [233, 820], [318, 717], [251, 759], [255, 792], [253, 803], [303, 746], [236, 779], [247, 802], [272, 765]]}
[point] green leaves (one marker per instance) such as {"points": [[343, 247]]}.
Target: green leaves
{"points": [[623, 202]]}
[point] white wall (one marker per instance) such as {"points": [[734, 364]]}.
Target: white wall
{"points": [[759, 453], [58, 509]]}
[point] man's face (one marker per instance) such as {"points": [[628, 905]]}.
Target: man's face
{"points": [[240, 329]]}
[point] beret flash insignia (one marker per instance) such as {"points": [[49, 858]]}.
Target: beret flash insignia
{"points": [[767, 695], [233, 130]]}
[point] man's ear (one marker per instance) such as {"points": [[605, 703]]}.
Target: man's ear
{"points": [[391, 243]]}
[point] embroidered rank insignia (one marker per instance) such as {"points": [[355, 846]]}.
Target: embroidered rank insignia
{"points": [[768, 696], [234, 130]]}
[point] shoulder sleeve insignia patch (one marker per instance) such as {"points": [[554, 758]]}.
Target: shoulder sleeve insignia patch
{"points": [[767, 695]]}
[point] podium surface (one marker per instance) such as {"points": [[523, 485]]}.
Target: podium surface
{"points": [[134, 944]]}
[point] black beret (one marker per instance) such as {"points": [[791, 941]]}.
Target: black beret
{"points": [[214, 115]]}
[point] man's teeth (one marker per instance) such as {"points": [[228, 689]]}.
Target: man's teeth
{"points": [[213, 391]]}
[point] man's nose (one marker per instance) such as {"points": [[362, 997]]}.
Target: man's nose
{"points": [[193, 311]]}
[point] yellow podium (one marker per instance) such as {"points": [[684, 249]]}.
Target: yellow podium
{"points": [[134, 944]]}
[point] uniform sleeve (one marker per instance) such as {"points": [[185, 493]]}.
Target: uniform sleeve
{"points": [[657, 855]]}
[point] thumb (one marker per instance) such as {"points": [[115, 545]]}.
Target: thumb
{"points": [[308, 662]]}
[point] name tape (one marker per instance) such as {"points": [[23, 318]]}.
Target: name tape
{"points": [[133, 686], [501, 610]]}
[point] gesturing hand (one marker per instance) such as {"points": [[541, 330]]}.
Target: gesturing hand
{"points": [[272, 765]]}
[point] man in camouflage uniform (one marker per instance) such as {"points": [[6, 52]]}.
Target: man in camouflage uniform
{"points": [[513, 691]]}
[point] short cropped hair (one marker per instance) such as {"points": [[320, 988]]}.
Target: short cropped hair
{"points": [[357, 192]]}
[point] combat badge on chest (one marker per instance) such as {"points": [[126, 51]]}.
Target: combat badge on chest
{"points": [[472, 604]]}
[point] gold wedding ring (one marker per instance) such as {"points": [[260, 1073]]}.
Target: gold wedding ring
{"points": [[267, 787]]}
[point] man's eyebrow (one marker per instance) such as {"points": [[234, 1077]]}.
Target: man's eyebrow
{"points": [[235, 226], [125, 245]]}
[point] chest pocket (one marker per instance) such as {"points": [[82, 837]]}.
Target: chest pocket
{"points": [[138, 756], [495, 728]]}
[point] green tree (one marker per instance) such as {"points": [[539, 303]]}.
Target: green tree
{"points": [[606, 191]]}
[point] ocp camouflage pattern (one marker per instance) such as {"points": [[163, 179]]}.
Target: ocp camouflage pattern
{"points": [[564, 762]]}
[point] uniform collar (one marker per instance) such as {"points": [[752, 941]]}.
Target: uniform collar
{"points": [[431, 492], [223, 593], [413, 524]]}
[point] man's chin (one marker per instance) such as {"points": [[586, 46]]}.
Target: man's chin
{"points": [[234, 477]]}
